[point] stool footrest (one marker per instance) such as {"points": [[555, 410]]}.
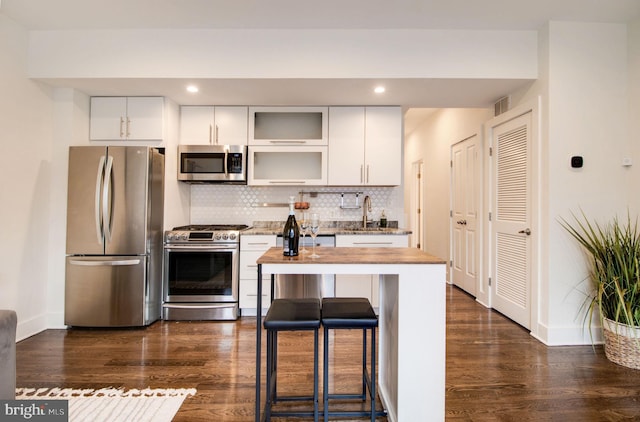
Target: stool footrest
{"points": [[355, 413], [347, 396], [293, 398]]}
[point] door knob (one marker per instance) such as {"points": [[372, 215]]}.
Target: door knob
{"points": [[526, 231]]}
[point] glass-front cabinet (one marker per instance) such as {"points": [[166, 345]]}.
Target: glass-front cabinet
{"points": [[288, 126], [288, 165]]}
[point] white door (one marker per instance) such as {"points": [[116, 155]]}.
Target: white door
{"points": [[231, 125], [511, 205], [383, 146], [108, 118], [196, 125], [466, 179], [346, 146], [144, 118]]}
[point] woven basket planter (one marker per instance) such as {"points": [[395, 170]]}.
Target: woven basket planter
{"points": [[622, 344]]}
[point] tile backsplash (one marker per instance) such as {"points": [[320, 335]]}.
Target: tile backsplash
{"points": [[243, 204]]}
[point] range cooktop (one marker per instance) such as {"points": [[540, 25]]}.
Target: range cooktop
{"points": [[205, 233]]}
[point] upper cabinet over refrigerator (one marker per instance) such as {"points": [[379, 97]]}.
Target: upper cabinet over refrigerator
{"points": [[127, 119]]}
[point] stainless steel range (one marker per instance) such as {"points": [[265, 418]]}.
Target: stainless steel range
{"points": [[201, 272]]}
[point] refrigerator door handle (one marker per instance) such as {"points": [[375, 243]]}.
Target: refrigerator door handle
{"points": [[98, 214], [106, 199], [118, 262]]}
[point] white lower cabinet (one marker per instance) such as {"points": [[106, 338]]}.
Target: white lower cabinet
{"points": [[251, 248], [365, 285]]}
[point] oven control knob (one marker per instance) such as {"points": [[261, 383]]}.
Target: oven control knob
{"points": [[225, 236], [184, 236], [217, 236], [232, 236]]}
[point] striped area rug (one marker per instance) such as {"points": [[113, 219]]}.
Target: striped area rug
{"points": [[114, 405]]}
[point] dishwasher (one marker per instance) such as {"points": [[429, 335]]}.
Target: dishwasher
{"points": [[294, 286]]}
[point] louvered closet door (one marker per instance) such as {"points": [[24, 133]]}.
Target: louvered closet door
{"points": [[511, 219]]}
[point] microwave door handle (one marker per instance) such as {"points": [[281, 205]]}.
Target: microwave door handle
{"points": [[106, 199], [226, 157], [97, 209]]}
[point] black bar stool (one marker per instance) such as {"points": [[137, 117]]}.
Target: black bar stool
{"points": [[290, 315], [351, 313]]}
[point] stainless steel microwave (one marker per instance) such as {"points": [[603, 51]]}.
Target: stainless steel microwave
{"points": [[212, 164]]}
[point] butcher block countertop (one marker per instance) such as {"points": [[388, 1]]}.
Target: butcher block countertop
{"points": [[349, 255]]}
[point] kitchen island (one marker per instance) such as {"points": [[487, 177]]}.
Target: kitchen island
{"points": [[411, 376]]}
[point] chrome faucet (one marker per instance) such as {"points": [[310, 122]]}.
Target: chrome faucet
{"points": [[366, 206]]}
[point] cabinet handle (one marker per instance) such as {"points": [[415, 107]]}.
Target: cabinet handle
{"points": [[367, 173], [210, 134], [288, 142], [121, 127], [287, 182], [361, 174], [128, 128], [255, 295], [216, 134], [258, 243]]}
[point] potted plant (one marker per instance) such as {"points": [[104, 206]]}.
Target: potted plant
{"points": [[614, 258]]}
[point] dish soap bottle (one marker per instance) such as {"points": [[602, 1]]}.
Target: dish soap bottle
{"points": [[383, 219], [291, 232]]}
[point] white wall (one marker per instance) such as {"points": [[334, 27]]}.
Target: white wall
{"points": [[25, 171], [431, 142], [260, 54], [588, 103], [633, 175], [70, 127], [589, 84]]}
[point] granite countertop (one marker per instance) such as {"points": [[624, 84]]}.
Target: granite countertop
{"points": [[348, 255], [329, 227]]}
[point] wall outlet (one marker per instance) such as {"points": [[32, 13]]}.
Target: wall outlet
{"points": [[627, 161]]}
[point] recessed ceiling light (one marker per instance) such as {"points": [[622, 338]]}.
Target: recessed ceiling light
{"points": [[379, 89], [192, 88]]}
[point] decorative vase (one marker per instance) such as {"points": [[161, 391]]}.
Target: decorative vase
{"points": [[622, 343]]}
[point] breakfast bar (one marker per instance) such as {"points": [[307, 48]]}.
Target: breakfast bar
{"points": [[411, 348]]}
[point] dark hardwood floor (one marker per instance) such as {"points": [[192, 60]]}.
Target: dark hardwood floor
{"points": [[495, 369]]}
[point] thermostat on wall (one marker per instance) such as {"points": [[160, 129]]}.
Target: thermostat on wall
{"points": [[576, 161]]}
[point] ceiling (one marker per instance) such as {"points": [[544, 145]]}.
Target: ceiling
{"points": [[325, 14]]}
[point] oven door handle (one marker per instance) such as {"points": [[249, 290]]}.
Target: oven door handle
{"points": [[198, 306], [200, 248]]}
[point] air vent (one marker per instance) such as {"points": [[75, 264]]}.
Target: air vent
{"points": [[502, 105]]}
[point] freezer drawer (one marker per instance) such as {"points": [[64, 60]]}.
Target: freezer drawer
{"points": [[107, 292]]}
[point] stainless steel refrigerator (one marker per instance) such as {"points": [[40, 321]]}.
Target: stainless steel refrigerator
{"points": [[115, 202]]}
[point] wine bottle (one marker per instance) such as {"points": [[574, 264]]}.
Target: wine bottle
{"points": [[291, 233]]}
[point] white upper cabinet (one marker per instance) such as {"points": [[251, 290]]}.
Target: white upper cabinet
{"points": [[287, 165], [365, 146], [127, 118], [288, 126], [346, 146], [209, 125]]}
